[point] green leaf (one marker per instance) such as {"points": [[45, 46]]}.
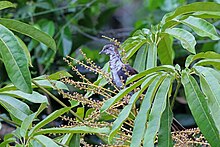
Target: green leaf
{"points": [[167, 68], [66, 139], [141, 118], [75, 140], [122, 116], [108, 103], [140, 59], [29, 31], [77, 129], [43, 83], [202, 55], [214, 62], [74, 103], [26, 124], [214, 72], [152, 56], [35, 97], [17, 108], [200, 111], [207, 14], [201, 27], [14, 60], [6, 4], [26, 51], [194, 7], [186, 38], [45, 141], [164, 135], [126, 111], [41, 108], [133, 50], [5, 143], [80, 112], [48, 119], [58, 75], [211, 88], [165, 50], [157, 110]]}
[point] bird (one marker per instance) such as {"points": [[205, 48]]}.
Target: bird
{"points": [[121, 71]]}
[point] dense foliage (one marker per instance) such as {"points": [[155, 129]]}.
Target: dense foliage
{"points": [[176, 57]]}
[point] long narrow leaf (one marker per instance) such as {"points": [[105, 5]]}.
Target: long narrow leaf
{"points": [[211, 88], [213, 62], [45, 141], [186, 38], [17, 108], [141, 118], [152, 56], [6, 4], [203, 55], [77, 129], [126, 111], [167, 68], [26, 124], [35, 97], [200, 111], [164, 135], [141, 58], [108, 103], [194, 7], [48, 119], [201, 27], [29, 31], [15, 60], [158, 107]]}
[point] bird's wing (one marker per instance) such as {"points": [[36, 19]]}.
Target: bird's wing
{"points": [[130, 69]]}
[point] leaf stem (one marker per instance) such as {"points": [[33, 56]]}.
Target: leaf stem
{"points": [[175, 93]]}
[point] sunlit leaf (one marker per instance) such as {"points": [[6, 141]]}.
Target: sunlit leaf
{"points": [[152, 56], [200, 111], [48, 119], [201, 27], [58, 75], [15, 60], [211, 88], [17, 108], [26, 124], [45, 141], [157, 109], [202, 55], [35, 97], [77, 129], [141, 118], [126, 111], [6, 4], [186, 38], [108, 103], [190, 8], [29, 31]]}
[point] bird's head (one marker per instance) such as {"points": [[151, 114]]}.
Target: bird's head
{"points": [[109, 49]]}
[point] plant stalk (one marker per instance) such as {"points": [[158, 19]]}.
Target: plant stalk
{"points": [[175, 94]]}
